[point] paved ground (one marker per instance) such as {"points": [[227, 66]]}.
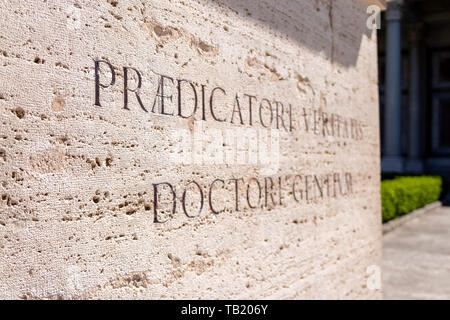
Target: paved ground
{"points": [[416, 258]]}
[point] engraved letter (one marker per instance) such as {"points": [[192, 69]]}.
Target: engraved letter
{"points": [[97, 79], [183, 200], [236, 104], [211, 99], [210, 196], [126, 89], [179, 99], [155, 201], [160, 97], [248, 193], [260, 113]]}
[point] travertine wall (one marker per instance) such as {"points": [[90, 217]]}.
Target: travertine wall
{"points": [[113, 187]]}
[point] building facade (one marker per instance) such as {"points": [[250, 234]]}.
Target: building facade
{"points": [[414, 61]]}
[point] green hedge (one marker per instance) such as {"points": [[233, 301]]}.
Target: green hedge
{"points": [[402, 195]]}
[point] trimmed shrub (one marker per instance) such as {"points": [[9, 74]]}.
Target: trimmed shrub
{"points": [[402, 195]]}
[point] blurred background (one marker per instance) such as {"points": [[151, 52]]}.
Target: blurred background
{"points": [[414, 79], [414, 83]]}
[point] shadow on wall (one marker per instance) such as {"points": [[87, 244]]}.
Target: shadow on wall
{"points": [[335, 28]]}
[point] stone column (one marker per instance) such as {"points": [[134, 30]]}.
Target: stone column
{"points": [[414, 162], [392, 160]]}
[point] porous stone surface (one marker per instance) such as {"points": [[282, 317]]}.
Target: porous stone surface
{"points": [[276, 186]]}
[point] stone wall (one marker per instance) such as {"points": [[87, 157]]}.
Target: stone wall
{"points": [[188, 149]]}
